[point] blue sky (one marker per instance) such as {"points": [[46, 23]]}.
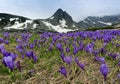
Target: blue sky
{"points": [[78, 9]]}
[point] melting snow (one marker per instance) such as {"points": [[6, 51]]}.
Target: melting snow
{"points": [[89, 20], [105, 23], [94, 23], [85, 21], [63, 23], [57, 28], [11, 19], [74, 25], [34, 26], [19, 25]]}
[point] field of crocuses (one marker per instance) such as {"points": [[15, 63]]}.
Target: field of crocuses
{"points": [[85, 57]]}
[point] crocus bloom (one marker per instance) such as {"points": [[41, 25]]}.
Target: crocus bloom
{"points": [[118, 63], [119, 76], [67, 49], [104, 70], [29, 54], [1, 40], [81, 65], [18, 65], [63, 71], [113, 55], [1, 46], [103, 50], [6, 42], [59, 46], [50, 47], [62, 56], [32, 46], [89, 48], [99, 59], [8, 62], [34, 57], [14, 56], [68, 59]]}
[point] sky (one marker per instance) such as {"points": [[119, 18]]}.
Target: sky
{"points": [[78, 9]]}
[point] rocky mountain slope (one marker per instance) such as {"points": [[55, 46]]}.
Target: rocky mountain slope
{"points": [[104, 21], [60, 21]]}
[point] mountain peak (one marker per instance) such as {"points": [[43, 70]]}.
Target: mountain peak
{"points": [[59, 11], [60, 15]]}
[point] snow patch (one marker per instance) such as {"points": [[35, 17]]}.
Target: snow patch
{"points": [[85, 21], [18, 25], [63, 23], [74, 25], [0, 19], [34, 26], [94, 23], [11, 19], [90, 21], [108, 23], [57, 28]]}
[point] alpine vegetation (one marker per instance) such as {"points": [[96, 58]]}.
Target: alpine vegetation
{"points": [[74, 57]]}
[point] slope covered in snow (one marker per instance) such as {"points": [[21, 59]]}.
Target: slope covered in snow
{"points": [[58, 28], [18, 25]]}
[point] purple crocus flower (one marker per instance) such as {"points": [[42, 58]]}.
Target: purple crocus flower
{"points": [[6, 42], [104, 44], [6, 35], [104, 70], [50, 47], [74, 52], [99, 59], [103, 50], [13, 55], [68, 59], [76, 49], [63, 71], [18, 65], [113, 55], [118, 63], [1, 40], [89, 48], [95, 52], [59, 46], [119, 76], [35, 58], [8, 62], [29, 54], [22, 56], [31, 46], [1, 46], [62, 56], [81, 65], [67, 49], [5, 53]]}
